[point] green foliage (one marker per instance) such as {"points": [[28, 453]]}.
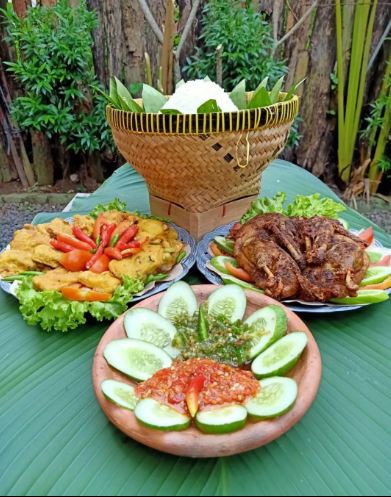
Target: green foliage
{"points": [[295, 136], [247, 42], [55, 69]]}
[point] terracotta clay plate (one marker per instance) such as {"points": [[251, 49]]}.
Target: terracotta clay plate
{"points": [[193, 443]]}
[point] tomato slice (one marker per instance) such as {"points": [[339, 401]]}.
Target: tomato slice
{"points": [[73, 242], [384, 262], [380, 286], [236, 226], [84, 295], [239, 273], [101, 265], [368, 235], [76, 261], [215, 249], [101, 221]]}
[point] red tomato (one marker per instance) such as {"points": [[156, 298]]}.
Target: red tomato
{"points": [[384, 262], [215, 249], [101, 265], [236, 226], [76, 261], [121, 228], [367, 235], [73, 242], [238, 272], [101, 221], [380, 286], [84, 295]]}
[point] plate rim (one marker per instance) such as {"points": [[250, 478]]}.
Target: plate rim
{"points": [[215, 279], [192, 443]]}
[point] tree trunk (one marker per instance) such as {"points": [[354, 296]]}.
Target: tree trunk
{"points": [[152, 44], [193, 39], [47, 3], [99, 37], [20, 6], [94, 165], [43, 159]]}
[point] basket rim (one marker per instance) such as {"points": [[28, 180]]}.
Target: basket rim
{"points": [[204, 124]]}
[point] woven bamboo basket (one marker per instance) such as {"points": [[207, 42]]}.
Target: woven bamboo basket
{"points": [[203, 161]]}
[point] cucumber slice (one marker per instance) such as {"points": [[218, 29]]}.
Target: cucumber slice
{"points": [[281, 357], [138, 360], [376, 275], [273, 322], [177, 301], [219, 263], [120, 394], [226, 245], [157, 416], [364, 297], [231, 280], [277, 397], [151, 327], [375, 257], [228, 301], [224, 420], [344, 223]]}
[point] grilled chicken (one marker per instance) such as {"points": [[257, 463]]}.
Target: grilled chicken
{"points": [[313, 259]]}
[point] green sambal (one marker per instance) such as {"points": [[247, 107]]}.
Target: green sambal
{"points": [[225, 342]]}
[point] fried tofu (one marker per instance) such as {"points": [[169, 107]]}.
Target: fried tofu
{"points": [[117, 217], [85, 223], [153, 259], [13, 262], [55, 280], [104, 282], [55, 227], [27, 239], [48, 256]]}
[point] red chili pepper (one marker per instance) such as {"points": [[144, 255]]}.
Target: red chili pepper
{"points": [[131, 245], [101, 221], [129, 234], [113, 253], [80, 235], [106, 235], [130, 252], [72, 242], [193, 394], [63, 247]]}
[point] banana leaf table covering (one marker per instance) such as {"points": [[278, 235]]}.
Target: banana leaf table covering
{"points": [[55, 440]]}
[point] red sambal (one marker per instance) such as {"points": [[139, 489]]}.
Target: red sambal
{"points": [[224, 385]]}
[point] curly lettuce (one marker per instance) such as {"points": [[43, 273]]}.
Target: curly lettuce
{"points": [[119, 206], [302, 206], [52, 311]]}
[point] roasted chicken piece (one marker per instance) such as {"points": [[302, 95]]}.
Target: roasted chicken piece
{"points": [[55, 280], [85, 223], [47, 255], [27, 239], [105, 282], [346, 265], [13, 262], [55, 227]]}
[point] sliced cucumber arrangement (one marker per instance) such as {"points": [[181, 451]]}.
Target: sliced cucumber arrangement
{"points": [[225, 420], [229, 301], [226, 245], [365, 297], [120, 394], [219, 263], [157, 416], [149, 326], [376, 275], [231, 280], [268, 326], [277, 397], [281, 357], [137, 359], [177, 301], [375, 257]]}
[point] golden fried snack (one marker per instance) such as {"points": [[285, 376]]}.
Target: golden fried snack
{"points": [[55, 227], [27, 239], [104, 282], [55, 280], [85, 223], [13, 262], [47, 255]]}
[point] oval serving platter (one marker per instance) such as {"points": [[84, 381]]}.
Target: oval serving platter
{"points": [[186, 264], [192, 443], [204, 257]]}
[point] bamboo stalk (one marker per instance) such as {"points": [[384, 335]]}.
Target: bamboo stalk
{"points": [[168, 48], [148, 69]]}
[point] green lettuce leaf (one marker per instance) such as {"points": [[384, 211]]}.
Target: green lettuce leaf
{"points": [[119, 206], [52, 312], [302, 206]]}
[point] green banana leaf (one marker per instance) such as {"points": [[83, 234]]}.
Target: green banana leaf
{"points": [[55, 440]]}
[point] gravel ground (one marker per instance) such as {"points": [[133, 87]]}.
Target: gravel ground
{"points": [[382, 219], [13, 217]]}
